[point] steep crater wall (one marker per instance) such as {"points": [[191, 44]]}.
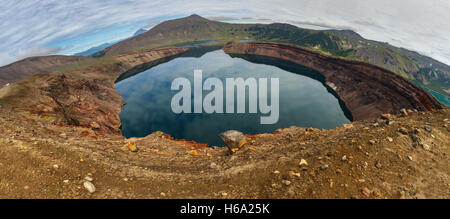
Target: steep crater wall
{"points": [[366, 90], [81, 97]]}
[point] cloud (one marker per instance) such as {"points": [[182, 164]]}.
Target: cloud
{"points": [[7, 58], [151, 24], [36, 51], [220, 18], [29, 24]]}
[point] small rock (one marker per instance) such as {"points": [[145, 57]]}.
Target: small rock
{"points": [[389, 121], [428, 128], [26, 187], [276, 172], [89, 186], [66, 181], [213, 165], [233, 139], [372, 142], [403, 131], [88, 178], [303, 162], [366, 192], [348, 126], [224, 194], [386, 116], [376, 194], [426, 147], [389, 139], [131, 146], [415, 138], [193, 152], [162, 194], [410, 158], [344, 158], [94, 125], [403, 112], [378, 165], [292, 174], [339, 171], [324, 167], [55, 166], [63, 135], [286, 182]]}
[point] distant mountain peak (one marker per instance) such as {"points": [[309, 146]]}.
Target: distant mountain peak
{"points": [[195, 16], [140, 31]]}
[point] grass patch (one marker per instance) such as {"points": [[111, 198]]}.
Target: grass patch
{"points": [[99, 62]]}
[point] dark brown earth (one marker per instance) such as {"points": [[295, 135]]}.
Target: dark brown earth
{"points": [[367, 90], [60, 127]]}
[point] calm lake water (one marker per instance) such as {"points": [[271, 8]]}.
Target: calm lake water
{"points": [[441, 98], [304, 100]]}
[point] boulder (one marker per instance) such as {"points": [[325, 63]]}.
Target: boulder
{"points": [[233, 139], [89, 186]]}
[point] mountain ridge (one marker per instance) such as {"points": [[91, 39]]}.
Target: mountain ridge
{"points": [[93, 50], [347, 44], [341, 43]]}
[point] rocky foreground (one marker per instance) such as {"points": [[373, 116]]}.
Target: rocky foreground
{"points": [[403, 156]]}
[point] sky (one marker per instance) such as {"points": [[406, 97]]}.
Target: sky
{"points": [[35, 27]]}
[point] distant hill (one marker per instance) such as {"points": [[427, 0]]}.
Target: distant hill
{"points": [[33, 65], [346, 44], [140, 31], [192, 28], [94, 50]]}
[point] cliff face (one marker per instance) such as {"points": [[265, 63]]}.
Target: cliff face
{"points": [[366, 90], [83, 97]]}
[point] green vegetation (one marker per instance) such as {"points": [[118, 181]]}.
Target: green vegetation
{"points": [[99, 62]]}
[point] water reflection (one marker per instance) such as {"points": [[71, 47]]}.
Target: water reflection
{"points": [[304, 100]]}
